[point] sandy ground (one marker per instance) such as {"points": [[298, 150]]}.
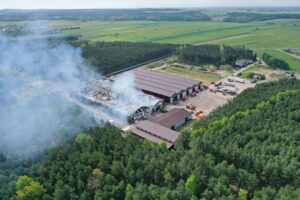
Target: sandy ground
{"points": [[207, 101]]}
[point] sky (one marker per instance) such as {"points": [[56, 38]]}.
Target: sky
{"points": [[69, 4]]}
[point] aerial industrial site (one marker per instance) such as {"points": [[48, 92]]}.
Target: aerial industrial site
{"points": [[153, 105]]}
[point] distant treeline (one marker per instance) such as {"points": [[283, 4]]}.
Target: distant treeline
{"points": [[209, 54], [275, 63], [105, 14], [244, 17], [109, 57]]}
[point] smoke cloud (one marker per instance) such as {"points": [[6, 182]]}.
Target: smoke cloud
{"points": [[37, 81], [34, 77], [128, 98]]}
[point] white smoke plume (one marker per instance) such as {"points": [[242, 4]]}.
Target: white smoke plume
{"points": [[33, 79], [128, 98], [36, 77]]}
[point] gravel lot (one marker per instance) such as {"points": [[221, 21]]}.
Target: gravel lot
{"points": [[208, 101]]}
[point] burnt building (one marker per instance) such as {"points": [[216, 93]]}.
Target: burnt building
{"points": [[99, 93]]}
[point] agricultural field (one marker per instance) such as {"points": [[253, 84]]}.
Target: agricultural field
{"points": [[256, 35], [162, 32], [266, 36], [293, 62], [276, 34], [263, 36]]}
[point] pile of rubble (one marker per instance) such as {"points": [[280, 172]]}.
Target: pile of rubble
{"points": [[98, 93]]}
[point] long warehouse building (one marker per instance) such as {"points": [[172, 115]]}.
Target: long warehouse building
{"points": [[168, 87]]}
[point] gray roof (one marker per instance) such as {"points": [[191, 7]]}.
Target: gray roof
{"points": [[157, 85], [172, 117], [149, 137], [161, 84], [158, 131], [155, 90], [164, 83], [160, 77]]}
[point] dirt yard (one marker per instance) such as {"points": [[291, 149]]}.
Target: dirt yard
{"points": [[208, 101]]}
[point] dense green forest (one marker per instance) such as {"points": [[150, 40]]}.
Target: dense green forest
{"points": [[213, 54], [105, 14], [109, 57], [275, 63], [244, 17], [249, 150]]}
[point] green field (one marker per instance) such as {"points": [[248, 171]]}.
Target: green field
{"points": [[292, 61], [162, 32], [266, 36], [269, 36], [257, 35]]}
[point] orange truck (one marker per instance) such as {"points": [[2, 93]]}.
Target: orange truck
{"points": [[200, 116]]}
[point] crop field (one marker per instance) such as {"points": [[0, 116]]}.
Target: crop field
{"points": [[257, 35], [275, 35], [162, 32], [267, 36]]}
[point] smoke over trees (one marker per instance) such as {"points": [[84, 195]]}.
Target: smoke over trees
{"points": [[33, 78], [36, 80]]}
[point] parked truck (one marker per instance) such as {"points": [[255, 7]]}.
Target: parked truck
{"points": [[228, 84], [230, 91]]}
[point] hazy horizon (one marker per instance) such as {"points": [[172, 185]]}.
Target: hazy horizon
{"points": [[119, 4]]}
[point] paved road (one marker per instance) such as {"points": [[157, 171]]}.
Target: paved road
{"points": [[245, 68], [141, 65], [290, 54]]}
